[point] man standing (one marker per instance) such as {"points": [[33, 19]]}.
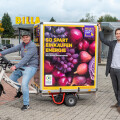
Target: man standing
{"points": [[113, 63], [29, 63]]}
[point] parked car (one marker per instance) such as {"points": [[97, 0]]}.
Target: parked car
{"points": [[9, 45], [2, 47]]}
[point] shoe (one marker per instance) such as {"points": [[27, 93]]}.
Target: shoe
{"points": [[25, 107], [114, 106], [118, 109], [18, 95]]}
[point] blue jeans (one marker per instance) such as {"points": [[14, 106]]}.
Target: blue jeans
{"points": [[27, 74]]}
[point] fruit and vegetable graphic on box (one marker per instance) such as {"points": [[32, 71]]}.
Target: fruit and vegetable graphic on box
{"points": [[69, 56]]}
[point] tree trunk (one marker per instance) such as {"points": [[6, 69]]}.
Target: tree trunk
{"points": [[99, 51]]}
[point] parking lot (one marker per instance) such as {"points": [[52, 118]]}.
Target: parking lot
{"points": [[88, 107]]}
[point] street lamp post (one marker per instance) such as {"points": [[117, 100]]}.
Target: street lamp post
{"points": [[19, 39]]}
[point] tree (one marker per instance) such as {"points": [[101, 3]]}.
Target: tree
{"points": [[7, 25], [88, 18], [107, 18], [52, 20]]}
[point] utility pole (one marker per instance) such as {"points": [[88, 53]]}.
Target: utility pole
{"points": [[19, 39]]}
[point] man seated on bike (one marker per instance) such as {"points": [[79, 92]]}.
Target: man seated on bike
{"points": [[29, 63]]}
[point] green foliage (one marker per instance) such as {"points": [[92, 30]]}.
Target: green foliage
{"points": [[7, 25], [88, 18], [107, 18], [52, 20]]}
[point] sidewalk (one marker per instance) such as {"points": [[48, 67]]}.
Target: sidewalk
{"points": [[88, 107], [103, 62]]}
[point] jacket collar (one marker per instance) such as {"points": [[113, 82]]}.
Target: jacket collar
{"points": [[26, 43]]}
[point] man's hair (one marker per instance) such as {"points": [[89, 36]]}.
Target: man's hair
{"points": [[116, 30]]}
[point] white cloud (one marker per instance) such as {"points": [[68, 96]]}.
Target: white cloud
{"points": [[61, 10]]}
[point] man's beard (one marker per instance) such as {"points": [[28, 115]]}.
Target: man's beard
{"points": [[118, 39]]}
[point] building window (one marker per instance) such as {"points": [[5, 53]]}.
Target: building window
{"points": [[5, 41]]}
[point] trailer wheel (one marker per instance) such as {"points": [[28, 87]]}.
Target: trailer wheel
{"points": [[70, 100]]}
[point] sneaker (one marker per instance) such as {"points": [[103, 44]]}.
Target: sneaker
{"points": [[114, 106], [25, 107], [18, 95], [118, 109]]}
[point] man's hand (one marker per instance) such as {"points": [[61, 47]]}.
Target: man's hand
{"points": [[0, 54], [99, 26], [13, 68]]}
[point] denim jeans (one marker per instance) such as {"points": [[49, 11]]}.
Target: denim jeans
{"points": [[27, 74]]}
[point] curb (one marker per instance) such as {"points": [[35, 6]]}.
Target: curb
{"points": [[102, 64]]}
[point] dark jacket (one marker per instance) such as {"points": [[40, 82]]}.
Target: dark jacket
{"points": [[111, 45]]}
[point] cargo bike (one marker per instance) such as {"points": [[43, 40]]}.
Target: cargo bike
{"points": [[68, 55]]}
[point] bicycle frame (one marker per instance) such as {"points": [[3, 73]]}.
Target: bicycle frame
{"points": [[3, 76], [8, 80]]}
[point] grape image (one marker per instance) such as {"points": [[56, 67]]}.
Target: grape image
{"points": [[66, 63]]}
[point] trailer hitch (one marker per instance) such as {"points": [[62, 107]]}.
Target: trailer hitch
{"points": [[60, 102]]}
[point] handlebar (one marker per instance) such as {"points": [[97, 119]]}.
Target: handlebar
{"points": [[6, 63], [5, 60]]}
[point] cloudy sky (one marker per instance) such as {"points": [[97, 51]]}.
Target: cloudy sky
{"points": [[61, 10]]}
